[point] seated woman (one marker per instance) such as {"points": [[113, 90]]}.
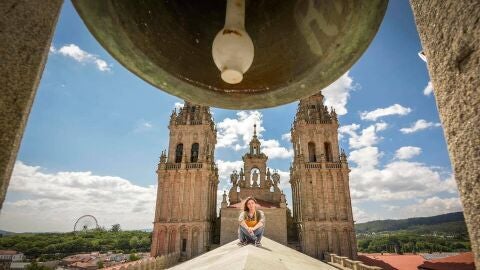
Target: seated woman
{"points": [[252, 224]]}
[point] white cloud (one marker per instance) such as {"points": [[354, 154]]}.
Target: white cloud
{"points": [[53, 201], [178, 105], [348, 129], [428, 89], [366, 158], [337, 93], [359, 215], [419, 125], [287, 136], [367, 137], [142, 126], [431, 207], [284, 179], [395, 109], [273, 150], [398, 180], [225, 168], [81, 56], [407, 152], [237, 133]]}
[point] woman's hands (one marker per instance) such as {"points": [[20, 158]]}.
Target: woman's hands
{"points": [[250, 230]]}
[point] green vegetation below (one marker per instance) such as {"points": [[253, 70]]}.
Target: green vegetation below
{"points": [[452, 222], [442, 233], [48, 246], [408, 242]]}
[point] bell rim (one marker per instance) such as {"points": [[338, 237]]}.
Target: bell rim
{"points": [[243, 99]]}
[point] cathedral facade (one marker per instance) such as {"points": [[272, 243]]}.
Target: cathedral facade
{"points": [[186, 218], [322, 208]]}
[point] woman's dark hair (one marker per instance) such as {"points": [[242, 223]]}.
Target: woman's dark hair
{"points": [[245, 207]]}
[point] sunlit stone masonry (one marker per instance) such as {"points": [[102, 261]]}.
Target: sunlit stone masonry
{"points": [[187, 185], [322, 208]]}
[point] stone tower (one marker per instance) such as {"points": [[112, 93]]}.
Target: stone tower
{"points": [[187, 185], [322, 206]]}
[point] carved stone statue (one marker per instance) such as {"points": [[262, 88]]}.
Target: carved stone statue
{"points": [[255, 178]]}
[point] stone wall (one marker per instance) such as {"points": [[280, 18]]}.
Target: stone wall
{"points": [[450, 34]]}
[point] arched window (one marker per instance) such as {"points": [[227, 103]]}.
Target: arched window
{"points": [[328, 152], [179, 153], [194, 153], [311, 152]]}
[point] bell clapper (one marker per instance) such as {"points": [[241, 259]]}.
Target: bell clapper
{"points": [[232, 48]]}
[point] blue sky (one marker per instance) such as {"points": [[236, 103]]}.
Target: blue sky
{"points": [[96, 131]]}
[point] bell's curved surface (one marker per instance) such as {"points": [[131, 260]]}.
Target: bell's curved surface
{"points": [[301, 46]]}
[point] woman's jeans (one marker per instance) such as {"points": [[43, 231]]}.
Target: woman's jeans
{"points": [[244, 236]]}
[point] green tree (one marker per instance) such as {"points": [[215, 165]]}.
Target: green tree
{"points": [[134, 242], [133, 257], [123, 244], [115, 228], [34, 266]]}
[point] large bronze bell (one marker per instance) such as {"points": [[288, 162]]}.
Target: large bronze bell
{"points": [[301, 46]]}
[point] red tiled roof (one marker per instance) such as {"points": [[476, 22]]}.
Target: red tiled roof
{"points": [[261, 204], [392, 261], [8, 252], [462, 261]]}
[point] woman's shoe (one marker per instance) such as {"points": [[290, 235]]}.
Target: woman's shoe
{"points": [[242, 243], [258, 244]]}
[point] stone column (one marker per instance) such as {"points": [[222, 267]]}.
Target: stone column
{"points": [[27, 30], [450, 34]]}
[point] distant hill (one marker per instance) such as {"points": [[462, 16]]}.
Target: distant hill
{"points": [[447, 223], [2, 232]]}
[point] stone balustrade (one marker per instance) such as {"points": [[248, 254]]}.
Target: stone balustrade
{"points": [[333, 165], [346, 263], [328, 165], [177, 166], [194, 165], [172, 166], [158, 263], [313, 165]]}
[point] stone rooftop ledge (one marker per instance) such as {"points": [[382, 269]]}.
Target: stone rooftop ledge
{"points": [[271, 255]]}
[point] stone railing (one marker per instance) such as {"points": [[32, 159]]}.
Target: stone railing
{"points": [[333, 165], [177, 166], [195, 122], [158, 263], [319, 121], [318, 165], [172, 166], [194, 165], [313, 165], [345, 263]]}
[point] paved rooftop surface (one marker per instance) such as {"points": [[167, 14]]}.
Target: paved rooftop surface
{"points": [[271, 255]]}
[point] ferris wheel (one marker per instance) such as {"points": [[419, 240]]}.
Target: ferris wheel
{"points": [[85, 223]]}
